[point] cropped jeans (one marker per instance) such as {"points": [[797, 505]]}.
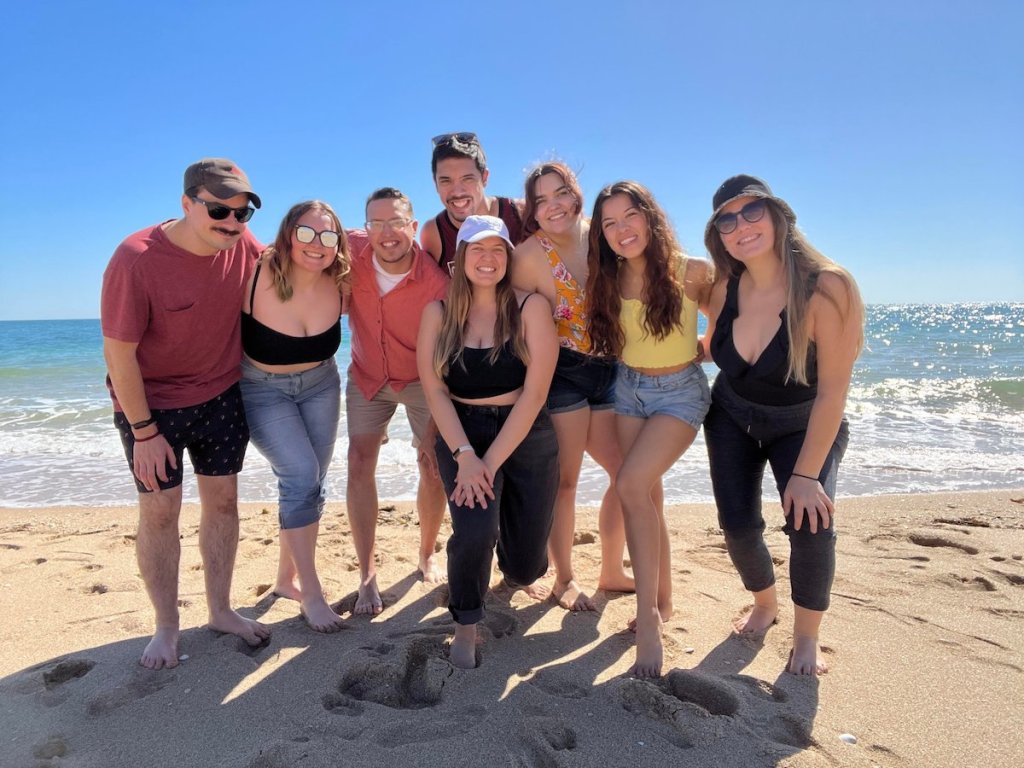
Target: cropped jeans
{"points": [[741, 437], [293, 422], [518, 518]]}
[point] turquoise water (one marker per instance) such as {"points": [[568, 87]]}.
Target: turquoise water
{"points": [[936, 403]]}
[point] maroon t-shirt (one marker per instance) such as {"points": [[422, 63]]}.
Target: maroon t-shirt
{"points": [[182, 310]]}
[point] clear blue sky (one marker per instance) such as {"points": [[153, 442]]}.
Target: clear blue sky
{"points": [[894, 129]]}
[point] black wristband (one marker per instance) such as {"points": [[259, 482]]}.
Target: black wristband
{"points": [[805, 477], [144, 423]]}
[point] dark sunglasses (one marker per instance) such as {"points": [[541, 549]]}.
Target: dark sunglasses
{"points": [[463, 137], [751, 212], [328, 238], [219, 212]]}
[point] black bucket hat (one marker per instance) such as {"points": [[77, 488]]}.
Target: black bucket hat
{"points": [[742, 185]]}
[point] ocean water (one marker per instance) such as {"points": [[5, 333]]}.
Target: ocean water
{"points": [[936, 404]]}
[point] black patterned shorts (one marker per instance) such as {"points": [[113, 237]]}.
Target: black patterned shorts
{"points": [[215, 434]]}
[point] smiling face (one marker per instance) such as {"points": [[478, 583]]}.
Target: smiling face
{"points": [[556, 208], [486, 261], [749, 239], [392, 245], [206, 236], [461, 185], [314, 256], [624, 226]]}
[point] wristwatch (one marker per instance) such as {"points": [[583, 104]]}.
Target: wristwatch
{"points": [[467, 448]]}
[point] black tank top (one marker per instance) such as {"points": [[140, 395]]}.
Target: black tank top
{"points": [[270, 347], [764, 382], [474, 377], [507, 212]]}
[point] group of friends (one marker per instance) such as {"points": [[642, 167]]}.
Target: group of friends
{"points": [[519, 335]]}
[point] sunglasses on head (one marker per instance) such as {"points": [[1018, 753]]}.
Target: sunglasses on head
{"points": [[463, 137], [751, 212], [328, 238], [219, 212]]}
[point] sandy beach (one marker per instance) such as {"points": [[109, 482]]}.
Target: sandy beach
{"points": [[923, 639]]}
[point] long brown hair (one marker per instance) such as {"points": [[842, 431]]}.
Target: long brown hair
{"points": [[278, 257], [454, 319], [802, 263], [663, 284], [568, 178]]}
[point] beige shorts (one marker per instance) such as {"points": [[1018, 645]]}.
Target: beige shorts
{"points": [[371, 417]]}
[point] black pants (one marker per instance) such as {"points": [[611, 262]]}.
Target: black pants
{"points": [[518, 519], [741, 437]]}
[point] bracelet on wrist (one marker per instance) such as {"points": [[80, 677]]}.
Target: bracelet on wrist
{"points": [[147, 439], [144, 423], [805, 477], [467, 448]]}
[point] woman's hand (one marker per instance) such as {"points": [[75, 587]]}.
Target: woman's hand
{"points": [[474, 481], [805, 496]]}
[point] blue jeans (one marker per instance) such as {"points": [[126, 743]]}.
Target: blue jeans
{"points": [[293, 422], [742, 437], [684, 395], [518, 519]]}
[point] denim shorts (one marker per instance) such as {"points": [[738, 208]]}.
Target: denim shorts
{"points": [[684, 395], [581, 380]]}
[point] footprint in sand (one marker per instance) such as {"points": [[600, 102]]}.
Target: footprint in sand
{"points": [[421, 730], [703, 690], [415, 680], [500, 624], [63, 671], [556, 684], [142, 684], [930, 540], [54, 746]]}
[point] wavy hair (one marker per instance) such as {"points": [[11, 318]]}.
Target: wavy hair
{"points": [[278, 257], [455, 317], [802, 263], [663, 285], [568, 178]]}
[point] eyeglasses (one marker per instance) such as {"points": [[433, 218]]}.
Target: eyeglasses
{"points": [[328, 238], [464, 137], [751, 212], [219, 212], [377, 225]]}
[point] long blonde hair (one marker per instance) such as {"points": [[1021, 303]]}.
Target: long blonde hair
{"points": [[802, 264], [278, 257], [455, 317]]}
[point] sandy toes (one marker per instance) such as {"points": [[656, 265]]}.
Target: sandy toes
{"points": [[162, 651], [368, 602], [572, 597], [232, 623]]}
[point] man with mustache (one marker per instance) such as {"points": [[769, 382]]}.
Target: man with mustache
{"points": [[460, 177], [393, 279], [170, 307]]}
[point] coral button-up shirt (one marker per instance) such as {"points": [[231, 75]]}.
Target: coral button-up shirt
{"points": [[384, 328]]}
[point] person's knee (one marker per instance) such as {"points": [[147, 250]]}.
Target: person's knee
{"points": [[159, 512], [363, 451], [473, 535], [633, 487]]}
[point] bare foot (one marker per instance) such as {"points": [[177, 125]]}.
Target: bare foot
{"points": [[665, 614], [289, 590], [431, 571], [319, 616], [649, 653], [536, 590], [571, 597], [757, 620], [806, 658], [368, 603], [233, 623], [617, 582], [162, 651], [463, 648]]}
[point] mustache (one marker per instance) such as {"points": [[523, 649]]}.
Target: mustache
{"points": [[228, 232]]}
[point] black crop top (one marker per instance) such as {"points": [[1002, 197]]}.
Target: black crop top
{"points": [[474, 378], [764, 382], [270, 347]]}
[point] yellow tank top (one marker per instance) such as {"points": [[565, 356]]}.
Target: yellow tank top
{"points": [[642, 350]]}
